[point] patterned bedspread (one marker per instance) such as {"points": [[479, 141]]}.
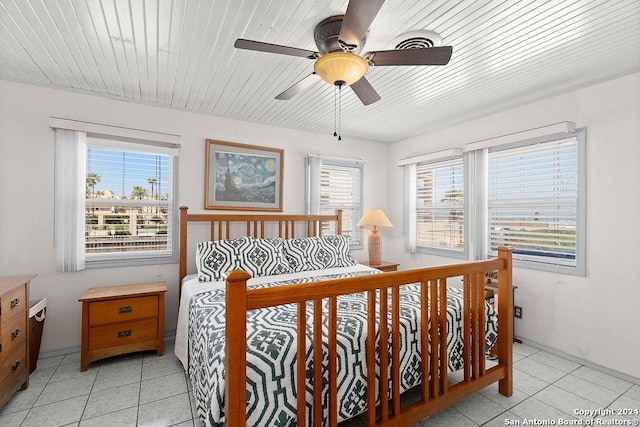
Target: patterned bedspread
{"points": [[272, 356]]}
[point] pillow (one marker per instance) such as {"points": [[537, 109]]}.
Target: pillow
{"points": [[258, 257], [216, 257], [265, 257], [315, 253]]}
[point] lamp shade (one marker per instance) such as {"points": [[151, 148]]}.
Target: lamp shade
{"points": [[374, 218], [343, 67]]}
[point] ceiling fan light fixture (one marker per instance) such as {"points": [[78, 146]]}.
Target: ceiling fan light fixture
{"points": [[341, 66]]}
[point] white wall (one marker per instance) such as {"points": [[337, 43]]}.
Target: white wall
{"points": [[26, 187], [593, 318]]}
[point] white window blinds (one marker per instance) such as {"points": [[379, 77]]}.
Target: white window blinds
{"points": [[533, 204], [440, 205], [435, 203], [336, 184], [129, 199]]}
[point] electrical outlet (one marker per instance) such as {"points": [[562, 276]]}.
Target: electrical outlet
{"points": [[517, 312]]}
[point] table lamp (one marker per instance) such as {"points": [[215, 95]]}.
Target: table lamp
{"points": [[375, 218]]}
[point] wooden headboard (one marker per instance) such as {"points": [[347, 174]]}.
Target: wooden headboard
{"points": [[254, 225]]}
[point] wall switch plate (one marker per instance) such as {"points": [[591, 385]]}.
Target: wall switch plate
{"points": [[517, 312]]}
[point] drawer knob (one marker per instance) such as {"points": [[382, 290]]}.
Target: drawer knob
{"points": [[124, 334], [125, 309], [15, 302], [15, 365], [16, 333]]}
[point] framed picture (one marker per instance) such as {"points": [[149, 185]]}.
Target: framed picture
{"points": [[243, 177]]}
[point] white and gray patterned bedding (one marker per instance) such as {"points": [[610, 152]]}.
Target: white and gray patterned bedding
{"points": [[272, 358]]}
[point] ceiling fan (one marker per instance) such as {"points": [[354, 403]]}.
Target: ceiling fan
{"points": [[340, 40]]}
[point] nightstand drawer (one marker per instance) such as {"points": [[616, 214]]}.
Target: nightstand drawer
{"points": [[122, 310], [13, 368], [14, 302], [123, 333], [13, 334]]}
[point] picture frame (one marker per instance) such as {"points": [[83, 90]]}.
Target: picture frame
{"points": [[243, 177]]}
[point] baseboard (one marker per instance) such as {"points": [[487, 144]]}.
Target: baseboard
{"points": [[588, 364], [58, 352], [168, 336]]}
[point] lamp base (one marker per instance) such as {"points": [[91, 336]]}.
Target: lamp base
{"points": [[375, 248]]}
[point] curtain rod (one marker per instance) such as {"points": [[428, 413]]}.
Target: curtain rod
{"points": [[337, 158], [526, 135]]}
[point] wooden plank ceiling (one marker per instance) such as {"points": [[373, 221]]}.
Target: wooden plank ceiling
{"points": [[180, 54]]}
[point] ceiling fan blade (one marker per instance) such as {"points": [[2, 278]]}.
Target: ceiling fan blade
{"points": [[298, 87], [357, 20], [274, 48], [439, 55], [365, 91]]}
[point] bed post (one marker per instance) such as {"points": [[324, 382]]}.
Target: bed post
{"points": [[236, 348], [182, 246], [505, 321]]}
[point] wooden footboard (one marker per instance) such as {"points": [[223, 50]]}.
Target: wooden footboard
{"points": [[435, 391]]}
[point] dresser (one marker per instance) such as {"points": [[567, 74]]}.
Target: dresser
{"points": [[122, 319], [14, 335]]}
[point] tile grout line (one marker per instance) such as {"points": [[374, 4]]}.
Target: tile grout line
{"points": [[89, 395], [140, 391], [41, 391]]}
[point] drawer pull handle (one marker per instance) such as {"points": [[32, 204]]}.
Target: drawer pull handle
{"points": [[124, 334], [15, 334], [15, 302], [15, 365], [125, 309]]}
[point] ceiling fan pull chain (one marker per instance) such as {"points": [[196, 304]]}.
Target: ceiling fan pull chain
{"points": [[335, 112], [339, 112]]}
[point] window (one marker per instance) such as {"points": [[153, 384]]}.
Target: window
{"points": [[128, 205], [115, 196], [336, 184], [534, 202], [436, 203], [524, 190]]}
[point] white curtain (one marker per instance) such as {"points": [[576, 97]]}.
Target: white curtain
{"points": [[69, 195], [314, 164], [410, 208]]}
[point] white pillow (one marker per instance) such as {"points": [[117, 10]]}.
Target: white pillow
{"points": [[258, 257], [265, 257], [315, 253], [216, 257]]}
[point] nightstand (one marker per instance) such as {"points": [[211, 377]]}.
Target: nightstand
{"points": [[385, 266], [122, 319], [492, 288]]}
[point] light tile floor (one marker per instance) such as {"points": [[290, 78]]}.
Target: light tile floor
{"points": [[145, 390]]}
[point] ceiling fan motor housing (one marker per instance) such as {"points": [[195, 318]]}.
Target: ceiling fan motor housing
{"points": [[326, 36]]}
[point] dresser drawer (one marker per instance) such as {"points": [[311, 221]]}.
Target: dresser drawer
{"points": [[122, 310], [13, 333], [13, 368], [14, 302], [123, 333]]}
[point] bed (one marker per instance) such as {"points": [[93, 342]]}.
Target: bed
{"points": [[292, 284]]}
